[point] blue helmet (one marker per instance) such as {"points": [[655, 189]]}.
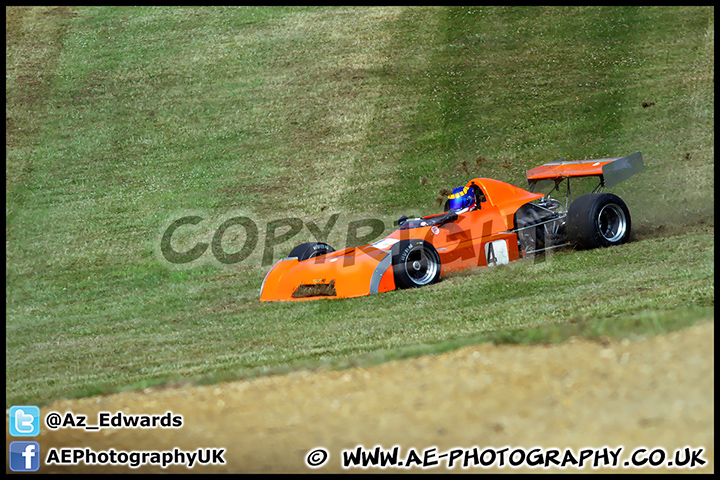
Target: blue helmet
{"points": [[461, 197]]}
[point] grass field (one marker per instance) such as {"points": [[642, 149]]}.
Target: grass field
{"points": [[120, 120]]}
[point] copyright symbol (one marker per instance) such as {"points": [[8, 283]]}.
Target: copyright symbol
{"points": [[316, 458], [53, 420]]}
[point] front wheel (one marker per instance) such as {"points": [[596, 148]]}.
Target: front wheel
{"points": [[598, 220], [308, 250], [416, 263]]}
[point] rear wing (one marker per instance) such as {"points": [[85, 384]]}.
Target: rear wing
{"points": [[610, 170]]}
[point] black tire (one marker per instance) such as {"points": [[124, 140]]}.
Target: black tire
{"points": [[309, 250], [598, 220], [415, 263]]}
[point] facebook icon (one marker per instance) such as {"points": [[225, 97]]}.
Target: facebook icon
{"points": [[24, 456]]}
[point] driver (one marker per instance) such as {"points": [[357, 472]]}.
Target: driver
{"points": [[462, 199]]}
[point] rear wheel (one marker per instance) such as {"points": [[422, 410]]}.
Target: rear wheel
{"points": [[308, 250], [598, 220], [416, 263]]}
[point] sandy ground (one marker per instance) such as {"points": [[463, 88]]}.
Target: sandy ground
{"points": [[653, 393]]}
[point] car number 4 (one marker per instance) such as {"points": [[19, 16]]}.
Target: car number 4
{"points": [[496, 253]]}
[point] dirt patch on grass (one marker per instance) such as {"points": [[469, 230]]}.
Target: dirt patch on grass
{"points": [[655, 392]]}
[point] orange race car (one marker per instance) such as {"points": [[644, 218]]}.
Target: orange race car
{"points": [[485, 223]]}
